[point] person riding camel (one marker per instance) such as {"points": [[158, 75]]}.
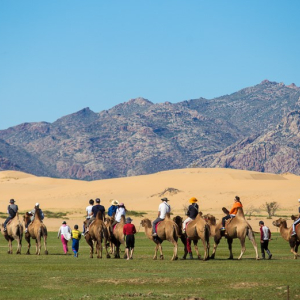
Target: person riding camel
{"points": [[121, 211], [88, 214], [192, 212], [163, 209], [32, 213], [95, 209], [113, 208], [297, 221], [237, 203], [12, 210]]}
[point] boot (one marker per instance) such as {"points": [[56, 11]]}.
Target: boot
{"points": [[190, 255], [263, 255], [269, 253]]}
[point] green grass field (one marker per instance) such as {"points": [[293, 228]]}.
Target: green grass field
{"points": [[59, 276]]}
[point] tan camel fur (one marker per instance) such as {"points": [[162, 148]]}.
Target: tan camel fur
{"points": [[166, 230], [236, 227], [196, 230], [285, 232], [36, 230], [96, 234], [117, 236], [14, 231]]}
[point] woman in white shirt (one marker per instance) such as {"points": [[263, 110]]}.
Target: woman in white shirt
{"points": [[65, 233]]}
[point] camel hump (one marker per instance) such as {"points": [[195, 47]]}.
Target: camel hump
{"points": [[168, 216], [122, 219]]}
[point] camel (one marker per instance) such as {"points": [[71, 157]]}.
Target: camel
{"points": [[285, 232], [236, 227], [196, 230], [97, 233], [166, 230], [14, 231], [117, 236], [36, 230]]}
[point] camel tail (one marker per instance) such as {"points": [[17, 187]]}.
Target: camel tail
{"points": [[250, 234], [44, 231]]}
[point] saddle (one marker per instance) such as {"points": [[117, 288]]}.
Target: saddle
{"points": [[157, 225], [186, 225]]}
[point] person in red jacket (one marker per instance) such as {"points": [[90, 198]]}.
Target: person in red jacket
{"points": [[129, 231], [237, 203], [265, 237]]}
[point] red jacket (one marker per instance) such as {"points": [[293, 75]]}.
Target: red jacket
{"points": [[129, 229]]}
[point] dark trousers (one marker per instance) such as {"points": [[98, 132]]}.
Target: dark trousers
{"points": [[264, 247], [224, 219], [154, 224], [7, 220]]}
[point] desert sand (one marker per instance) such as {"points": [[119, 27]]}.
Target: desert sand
{"points": [[214, 188]]}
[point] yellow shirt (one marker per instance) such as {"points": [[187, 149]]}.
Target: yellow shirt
{"points": [[76, 234]]}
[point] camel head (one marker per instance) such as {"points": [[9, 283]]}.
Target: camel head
{"points": [[178, 220], [26, 217], [210, 219], [294, 217], [146, 223], [280, 222]]}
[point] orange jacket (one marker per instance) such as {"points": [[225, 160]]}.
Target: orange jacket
{"points": [[235, 207]]}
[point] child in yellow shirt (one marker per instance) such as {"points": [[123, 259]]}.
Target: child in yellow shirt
{"points": [[76, 236]]}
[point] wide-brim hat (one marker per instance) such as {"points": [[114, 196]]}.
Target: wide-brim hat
{"points": [[193, 200], [128, 220], [164, 199], [115, 202]]}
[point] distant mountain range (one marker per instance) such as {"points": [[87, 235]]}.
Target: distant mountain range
{"points": [[257, 128]]}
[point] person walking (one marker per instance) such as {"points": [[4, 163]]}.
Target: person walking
{"points": [[64, 233], [265, 237], [129, 231], [76, 236], [163, 209], [12, 210]]}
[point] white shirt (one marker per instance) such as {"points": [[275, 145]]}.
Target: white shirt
{"points": [[89, 211], [265, 231], [164, 208], [65, 231], [120, 211]]}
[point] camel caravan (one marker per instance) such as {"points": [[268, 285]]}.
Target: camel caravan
{"points": [[109, 231]]}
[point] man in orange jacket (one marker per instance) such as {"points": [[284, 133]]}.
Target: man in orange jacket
{"points": [[237, 203]]}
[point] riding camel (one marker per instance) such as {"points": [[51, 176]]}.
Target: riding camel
{"points": [[196, 230], [236, 227], [14, 231], [117, 236], [166, 230], [36, 230], [96, 234], [285, 232]]}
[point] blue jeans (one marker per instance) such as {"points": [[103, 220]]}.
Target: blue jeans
{"points": [[75, 245], [154, 224]]}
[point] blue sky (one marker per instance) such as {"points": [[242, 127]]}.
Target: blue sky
{"points": [[57, 57]]}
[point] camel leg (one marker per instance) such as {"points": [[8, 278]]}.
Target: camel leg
{"points": [[38, 245], [174, 257], [183, 239], [243, 248], [29, 245], [155, 251], [105, 246], [217, 240], [196, 249], [91, 244], [161, 251], [229, 241], [252, 239], [10, 251], [19, 246], [45, 245], [99, 249], [206, 249]]}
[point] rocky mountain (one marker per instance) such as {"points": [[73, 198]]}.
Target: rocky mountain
{"points": [[138, 137], [276, 151]]}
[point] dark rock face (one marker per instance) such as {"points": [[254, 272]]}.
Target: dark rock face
{"points": [[276, 151], [138, 137]]}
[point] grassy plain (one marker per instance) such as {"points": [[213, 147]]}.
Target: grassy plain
{"points": [[59, 276]]}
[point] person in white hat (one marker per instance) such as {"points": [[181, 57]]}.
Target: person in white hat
{"points": [[163, 209], [32, 213]]}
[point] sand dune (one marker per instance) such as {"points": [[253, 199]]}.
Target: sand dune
{"points": [[214, 188]]}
